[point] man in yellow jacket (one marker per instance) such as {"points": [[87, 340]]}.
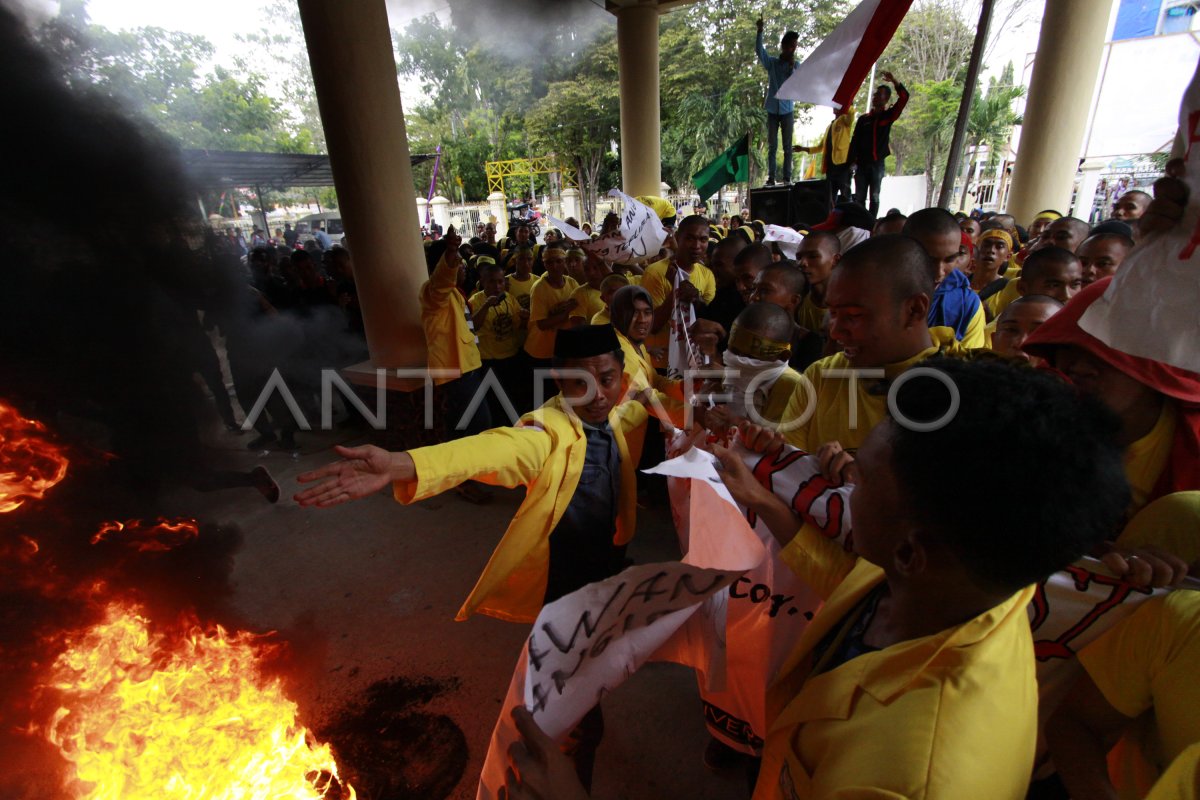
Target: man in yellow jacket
{"points": [[834, 148], [450, 334], [580, 504]]}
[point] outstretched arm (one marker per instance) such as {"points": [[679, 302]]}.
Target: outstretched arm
{"points": [[362, 471]]}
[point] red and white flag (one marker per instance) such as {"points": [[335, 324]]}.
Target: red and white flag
{"points": [[832, 73]]}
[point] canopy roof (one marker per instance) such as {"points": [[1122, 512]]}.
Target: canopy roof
{"points": [[222, 169]]}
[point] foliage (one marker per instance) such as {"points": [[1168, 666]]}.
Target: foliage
{"points": [[578, 118], [548, 83], [160, 75], [991, 121], [929, 55]]}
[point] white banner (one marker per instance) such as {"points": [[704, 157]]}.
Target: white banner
{"points": [[640, 235], [569, 231], [585, 644]]}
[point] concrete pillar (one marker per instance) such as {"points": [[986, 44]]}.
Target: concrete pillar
{"points": [[1086, 196], [422, 211], [1064, 78], [497, 207], [441, 212], [570, 203], [372, 172], [637, 60]]}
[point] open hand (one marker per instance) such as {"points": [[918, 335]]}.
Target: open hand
{"points": [[362, 471]]}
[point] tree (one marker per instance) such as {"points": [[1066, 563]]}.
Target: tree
{"points": [[576, 120], [991, 121], [158, 75], [712, 85], [282, 37], [929, 54]]}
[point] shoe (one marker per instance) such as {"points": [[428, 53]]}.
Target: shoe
{"points": [[260, 441], [720, 757], [265, 484]]}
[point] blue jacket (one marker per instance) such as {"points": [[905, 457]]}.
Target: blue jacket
{"points": [[778, 71], [953, 304]]}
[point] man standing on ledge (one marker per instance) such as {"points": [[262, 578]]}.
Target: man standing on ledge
{"points": [[869, 145], [779, 112]]}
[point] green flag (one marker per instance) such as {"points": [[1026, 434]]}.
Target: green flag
{"points": [[732, 166]]}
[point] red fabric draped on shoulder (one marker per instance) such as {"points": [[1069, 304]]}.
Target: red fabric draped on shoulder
{"points": [[1183, 467]]}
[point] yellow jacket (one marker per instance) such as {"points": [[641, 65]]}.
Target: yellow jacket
{"points": [[640, 374], [838, 134], [952, 715], [544, 452], [448, 336], [830, 420]]}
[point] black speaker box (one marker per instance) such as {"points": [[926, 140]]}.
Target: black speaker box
{"points": [[772, 204], [798, 205], [810, 203]]}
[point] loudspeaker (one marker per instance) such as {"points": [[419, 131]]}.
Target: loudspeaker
{"points": [[772, 204], [810, 203], [797, 206]]}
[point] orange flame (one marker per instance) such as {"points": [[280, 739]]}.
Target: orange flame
{"points": [[29, 464], [144, 718], [158, 536]]}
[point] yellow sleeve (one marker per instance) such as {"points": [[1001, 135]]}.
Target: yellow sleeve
{"points": [[1124, 661], [444, 280], [631, 415], [976, 335], [500, 457], [1169, 523], [820, 562]]}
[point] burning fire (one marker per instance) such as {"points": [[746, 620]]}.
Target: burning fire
{"points": [[29, 463], [158, 536], [142, 717]]}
